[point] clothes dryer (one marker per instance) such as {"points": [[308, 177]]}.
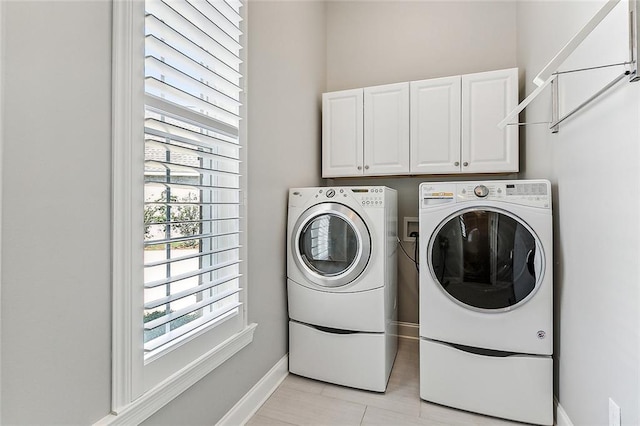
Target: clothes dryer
{"points": [[486, 308], [341, 284]]}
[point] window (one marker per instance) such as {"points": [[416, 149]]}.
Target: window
{"points": [[179, 302], [192, 168]]}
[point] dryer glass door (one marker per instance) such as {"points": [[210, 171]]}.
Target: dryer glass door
{"points": [[486, 259], [332, 245]]}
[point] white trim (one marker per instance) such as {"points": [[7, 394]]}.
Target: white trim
{"points": [[562, 419], [408, 330], [258, 395], [2, 48], [156, 398], [244, 173], [127, 94]]}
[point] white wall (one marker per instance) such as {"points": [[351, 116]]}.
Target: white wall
{"points": [[379, 42], [56, 294], [593, 165], [56, 190]]}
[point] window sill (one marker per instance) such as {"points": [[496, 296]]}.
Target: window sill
{"points": [[154, 399]]}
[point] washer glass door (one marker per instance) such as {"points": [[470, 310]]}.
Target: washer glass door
{"points": [[331, 245], [486, 259]]}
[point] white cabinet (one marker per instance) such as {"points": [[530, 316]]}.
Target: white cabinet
{"points": [[454, 124], [342, 133], [435, 125], [366, 131], [386, 129], [439, 126], [487, 98]]}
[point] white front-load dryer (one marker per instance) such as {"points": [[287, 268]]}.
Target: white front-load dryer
{"points": [[486, 297], [341, 284]]}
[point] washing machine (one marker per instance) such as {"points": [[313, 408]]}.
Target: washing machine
{"points": [[486, 297], [341, 284]]}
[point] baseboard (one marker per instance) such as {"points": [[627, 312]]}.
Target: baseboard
{"points": [[562, 419], [408, 330], [253, 400]]}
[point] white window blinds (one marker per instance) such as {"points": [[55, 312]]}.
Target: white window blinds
{"points": [[192, 212]]}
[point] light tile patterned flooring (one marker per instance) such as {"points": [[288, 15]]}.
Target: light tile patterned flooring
{"points": [[301, 401]]}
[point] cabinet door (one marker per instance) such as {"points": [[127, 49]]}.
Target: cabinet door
{"points": [[342, 133], [435, 125], [486, 99], [386, 129]]}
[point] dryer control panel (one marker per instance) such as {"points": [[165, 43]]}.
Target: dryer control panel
{"points": [[534, 193]]}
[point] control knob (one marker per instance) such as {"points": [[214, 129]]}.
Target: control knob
{"points": [[330, 193], [481, 191]]}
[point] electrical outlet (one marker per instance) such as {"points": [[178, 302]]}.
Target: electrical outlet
{"points": [[411, 228], [614, 413]]}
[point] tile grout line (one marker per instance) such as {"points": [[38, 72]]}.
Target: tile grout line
{"points": [[364, 413]]}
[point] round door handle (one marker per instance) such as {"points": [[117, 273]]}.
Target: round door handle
{"points": [[359, 167], [366, 167], [465, 164], [457, 163]]}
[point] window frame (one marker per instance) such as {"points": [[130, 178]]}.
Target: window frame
{"points": [[2, 49], [132, 400]]}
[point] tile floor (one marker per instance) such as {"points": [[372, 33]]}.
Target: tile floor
{"points": [[301, 401]]}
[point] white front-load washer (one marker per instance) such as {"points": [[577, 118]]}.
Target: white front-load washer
{"points": [[486, 297], [341, 284]]}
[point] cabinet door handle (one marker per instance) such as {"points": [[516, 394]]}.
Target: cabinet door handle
{"points": [[457, 163], [465, 164], [359, 167], [366, 167]]}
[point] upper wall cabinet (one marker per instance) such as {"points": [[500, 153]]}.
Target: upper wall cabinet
{"points": [[342, 133], [386, 129], [366, 131], [437, 126], [486, 99]]}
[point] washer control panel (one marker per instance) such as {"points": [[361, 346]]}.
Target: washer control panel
{"points": [[366, 196], [369, 196], [535, 193]]}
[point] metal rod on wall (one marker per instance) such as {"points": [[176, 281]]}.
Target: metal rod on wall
{"points": [[634, 44], [588, 101]]}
